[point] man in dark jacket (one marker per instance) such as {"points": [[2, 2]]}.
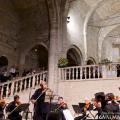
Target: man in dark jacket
{"points": [[13, 115], [40, 107]]}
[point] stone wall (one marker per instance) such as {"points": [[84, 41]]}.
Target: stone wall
{"points": [[74, 29], [76, 91], [92, 42], [22, 26], [9, 26]]}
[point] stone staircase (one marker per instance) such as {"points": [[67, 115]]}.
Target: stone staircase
{"points": [[24, 87]]}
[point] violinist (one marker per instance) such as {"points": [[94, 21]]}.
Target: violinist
{"points": [[87, 105], [62, 105], [9, 109], [38, 99], [85, 110], [63, 109]]}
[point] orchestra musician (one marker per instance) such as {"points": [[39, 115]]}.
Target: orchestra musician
{"points": [[12, 115], [38, 99], [2, 106], [106, 103], [85, 110], [112, 105], [63, 109], [62, 104]]}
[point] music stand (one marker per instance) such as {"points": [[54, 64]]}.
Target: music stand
{"points": [[81, 106], [76, 108], [118, 101], [20, 108]]}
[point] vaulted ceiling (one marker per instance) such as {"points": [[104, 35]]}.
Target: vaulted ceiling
{"points": [[23, 19], [106, 14], [26, 19], [33, 16]]}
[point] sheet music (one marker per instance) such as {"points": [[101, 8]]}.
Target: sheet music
{"points": [[68, 115]]}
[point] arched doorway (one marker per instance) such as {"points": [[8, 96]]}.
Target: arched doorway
{"points": [[74, 57], [37, 57], [3, 61], [91, 61]]}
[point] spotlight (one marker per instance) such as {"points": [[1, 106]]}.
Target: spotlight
{"points": [[36, 50], [68, 19]]}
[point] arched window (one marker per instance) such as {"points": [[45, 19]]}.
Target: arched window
{"points": [[37, 57], [3, 61], [91, 61], [74, 57]]}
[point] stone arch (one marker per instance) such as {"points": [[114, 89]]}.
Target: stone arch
{"points": [[91, 61], [102, 31], [33, 49], [102, 39], [102, 35], [34, 44], [25, 52], [88, 16], [37, 57], [3, 61], [74, 56]]}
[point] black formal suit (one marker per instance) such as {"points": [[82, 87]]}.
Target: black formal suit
{"points": [[14, 115], [41, 108]]}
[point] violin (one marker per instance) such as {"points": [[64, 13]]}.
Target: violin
{"points": [[2, 103], [63, 104], [18, 103]]}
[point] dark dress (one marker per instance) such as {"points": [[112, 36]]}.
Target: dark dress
{"points": [[40, 108], [14, 115]]}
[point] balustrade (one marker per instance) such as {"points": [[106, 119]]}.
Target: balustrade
{"points": [[13, 87], [90, 72]]}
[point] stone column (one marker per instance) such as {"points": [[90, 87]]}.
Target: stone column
{"points": [[52, 72], [21, 63]]}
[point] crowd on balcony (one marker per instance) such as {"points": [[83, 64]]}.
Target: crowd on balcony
{"points": [[14, 72]]}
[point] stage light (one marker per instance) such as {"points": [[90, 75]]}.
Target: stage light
{"points": [[36, 50], [68, 19]]}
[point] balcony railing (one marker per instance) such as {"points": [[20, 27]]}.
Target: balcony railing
{"points": [[13, 87], [90, 72]]}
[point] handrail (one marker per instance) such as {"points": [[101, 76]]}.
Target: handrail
{"points": [[19, 78], [114, 63], [18, 85], [89, 71], [79, 66]]}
